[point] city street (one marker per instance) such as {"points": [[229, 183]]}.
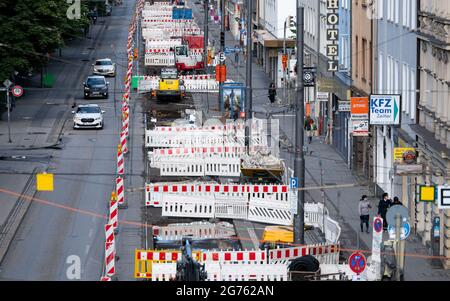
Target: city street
{"points": [[72, 218], [191, 173]]}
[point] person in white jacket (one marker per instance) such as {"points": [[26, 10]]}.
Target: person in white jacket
{"points": [[364, 212]]}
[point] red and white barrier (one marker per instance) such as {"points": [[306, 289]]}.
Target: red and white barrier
{"points": [[325, 253], [110, 259], [246, 272], [105, 278], [123, 141], [114, 213], [159, 59], [120, 161], [196, 230], [120, 190], [109, 233], [234, 256]]}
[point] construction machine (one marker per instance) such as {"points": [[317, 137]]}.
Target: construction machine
{"points": [[170, 86]]}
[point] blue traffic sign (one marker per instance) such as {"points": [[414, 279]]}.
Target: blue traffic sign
{"points": [[378, 224], [405, 231], [294, 183], [357, 262]]}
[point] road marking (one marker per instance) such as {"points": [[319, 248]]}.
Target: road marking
{"points": [[91, 232], [86, 251]]}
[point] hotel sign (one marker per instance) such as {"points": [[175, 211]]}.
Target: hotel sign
{"points": [[333, 35]]}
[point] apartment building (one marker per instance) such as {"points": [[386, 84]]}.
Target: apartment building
{"points": [[433, 117]]}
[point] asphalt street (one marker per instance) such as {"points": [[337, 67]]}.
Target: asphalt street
{"points": [[84, 168]]}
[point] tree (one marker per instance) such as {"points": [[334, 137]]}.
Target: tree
{"points": [[31, 30]]}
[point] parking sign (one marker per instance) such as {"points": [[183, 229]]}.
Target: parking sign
{"points": [[294, 183]]}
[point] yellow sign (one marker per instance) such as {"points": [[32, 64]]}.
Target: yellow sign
{"points": [[427, 193], [44, 182], [144, 259], [401, 152]]}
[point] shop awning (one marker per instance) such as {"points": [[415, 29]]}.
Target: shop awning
{"points": [[268, 40]]}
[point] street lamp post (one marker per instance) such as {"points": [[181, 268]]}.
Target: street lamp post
{"points": [[299, 222]]}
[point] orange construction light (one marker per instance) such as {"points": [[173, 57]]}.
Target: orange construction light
{"points": [[135, 53]]}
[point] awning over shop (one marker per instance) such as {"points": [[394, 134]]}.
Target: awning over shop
{"points": [[268, 40]]}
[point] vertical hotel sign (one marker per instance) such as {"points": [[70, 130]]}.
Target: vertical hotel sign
{"points": [[332, 35]]}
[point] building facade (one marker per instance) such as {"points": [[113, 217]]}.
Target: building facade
{"points": [[270, 36], [433, 118], [362, 149], [341, 119], [396, 65]]}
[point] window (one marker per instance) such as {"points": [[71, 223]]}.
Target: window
{"points": [[413, 15], [380, 72], [370, 63], [356, 57], [405, 84], [397, 11], [412, 102], [380, 8], [364, 54]]}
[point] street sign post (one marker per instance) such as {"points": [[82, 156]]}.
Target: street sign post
{"points": [[357, 262], [377, 239]]}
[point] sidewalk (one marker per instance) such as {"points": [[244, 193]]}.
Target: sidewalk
{"points": [[342, 203]]}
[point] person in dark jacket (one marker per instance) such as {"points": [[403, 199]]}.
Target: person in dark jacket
{"points": [[383, 206], [396, 202], [272, 93]]}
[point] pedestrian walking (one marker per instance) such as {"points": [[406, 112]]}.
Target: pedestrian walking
{"points": [[272, 93], [309, 127], [383, 206], [364, 212]]}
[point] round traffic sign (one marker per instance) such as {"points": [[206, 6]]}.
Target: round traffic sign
{"points": [[357, 262], [404, 232], [397, 210], [378, 224], [17, 91]]}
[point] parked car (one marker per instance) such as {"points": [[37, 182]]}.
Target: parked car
{"points": [[104, 67], [88, 116], [96, 86]]}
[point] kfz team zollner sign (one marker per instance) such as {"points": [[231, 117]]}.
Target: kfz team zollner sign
{"points": [[385, 109]]}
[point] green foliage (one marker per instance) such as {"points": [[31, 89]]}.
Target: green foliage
{"points": [[32, 29]]}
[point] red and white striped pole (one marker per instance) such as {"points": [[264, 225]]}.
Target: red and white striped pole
{"points": [[120, 190], [109, 232], [110, 269], [105, 278], [123, 141], [120, 161], [114, 212]]}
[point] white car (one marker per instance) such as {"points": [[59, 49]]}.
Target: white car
{"points": [[88, 116], [104, 67]]}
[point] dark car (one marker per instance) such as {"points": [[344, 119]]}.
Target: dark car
{"points": [[96, 86]]}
